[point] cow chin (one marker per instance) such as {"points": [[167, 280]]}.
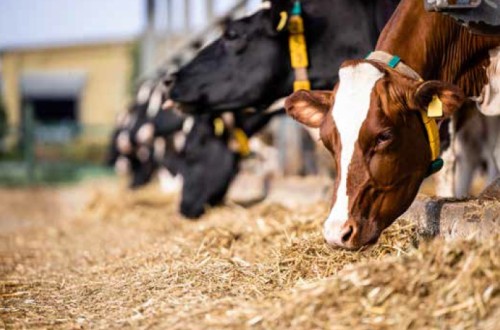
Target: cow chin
{"points": [[200, 103]]}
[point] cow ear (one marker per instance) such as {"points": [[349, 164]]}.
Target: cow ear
{"points": [[309, 107], [278, 11], [439, 98]]}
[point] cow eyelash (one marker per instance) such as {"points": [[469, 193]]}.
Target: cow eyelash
{"points": [[383, 137]]}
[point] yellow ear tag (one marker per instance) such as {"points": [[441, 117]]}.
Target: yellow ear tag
{"points": [[218, 126], [283, 20], [435, 108], [243, 143]]}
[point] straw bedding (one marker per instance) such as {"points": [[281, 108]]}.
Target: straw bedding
{"points": [[128, 260]]}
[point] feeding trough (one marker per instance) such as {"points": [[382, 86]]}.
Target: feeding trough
{"points": [[455, 218]]}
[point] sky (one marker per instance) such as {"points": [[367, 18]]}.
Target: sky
{"points": [[31, 23]]}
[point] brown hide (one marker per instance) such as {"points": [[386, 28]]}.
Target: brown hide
{"points": [[437, 47], [392, 152]]}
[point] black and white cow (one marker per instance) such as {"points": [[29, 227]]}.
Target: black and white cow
{"points": [[211, 157], [203, 150], [249, 66], [143, 135]]}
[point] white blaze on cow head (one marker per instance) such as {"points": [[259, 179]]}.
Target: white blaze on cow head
{"points": [[349, 112], [372, 126]]}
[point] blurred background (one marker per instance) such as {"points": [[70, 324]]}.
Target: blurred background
{"points": [[68, 68]]}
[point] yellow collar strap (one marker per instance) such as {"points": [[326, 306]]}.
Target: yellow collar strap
{"points": [[297, 46], [432, 133], [242, 146], [434, 109]]}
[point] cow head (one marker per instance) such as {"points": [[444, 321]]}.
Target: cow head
{"points": [[151, 146], [211, 149], [250, 53], [201, 149], [250, 64], [209, 165], [133, 146], [371, 125], [142, 167], [128, 157]]}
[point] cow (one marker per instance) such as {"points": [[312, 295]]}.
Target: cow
{"points": [[378, 122], [142, 137], [249, 66], [204, 151], [212, 153]]}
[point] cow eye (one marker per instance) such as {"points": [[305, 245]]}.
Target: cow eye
{"points": [[383, 138], [231, 34]]}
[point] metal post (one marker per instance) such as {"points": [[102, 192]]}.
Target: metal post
{"points": [[148, 41], [210, 10], [170, 17], [290, 147], [187, 14], [29, 141]]}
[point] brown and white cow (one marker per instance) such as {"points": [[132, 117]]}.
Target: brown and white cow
{"points": [[372, 122]]}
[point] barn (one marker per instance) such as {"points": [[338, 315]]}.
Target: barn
{"points": [[75, 86]]}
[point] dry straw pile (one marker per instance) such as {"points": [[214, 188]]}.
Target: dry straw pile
{"points": [[128, 260]]}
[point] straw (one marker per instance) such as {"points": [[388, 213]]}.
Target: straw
{"points": [[129, 260]]}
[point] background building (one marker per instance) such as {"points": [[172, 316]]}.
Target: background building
{"points": [[67, 68], [76, 62], [68, 85]]}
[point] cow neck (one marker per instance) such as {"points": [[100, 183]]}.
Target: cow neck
{"points": [[436, 47], [430, 125]]}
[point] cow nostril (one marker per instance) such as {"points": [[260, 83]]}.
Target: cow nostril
{"points": [[346, 235]]}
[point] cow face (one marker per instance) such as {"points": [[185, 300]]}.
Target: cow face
{"points": [[371, 125], [142, 168], [209, 167], [210, 157], [249, 66], [138, 157], [224, 75], [146, 153]]}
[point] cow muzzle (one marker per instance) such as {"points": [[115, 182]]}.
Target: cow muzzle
{"points": [[350, 234], [340, 235]]}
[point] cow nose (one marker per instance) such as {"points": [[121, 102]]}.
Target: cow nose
{"points": [[340, 234], [346, 234]]}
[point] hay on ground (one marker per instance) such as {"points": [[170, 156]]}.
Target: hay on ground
{"points": [[129, 260]]}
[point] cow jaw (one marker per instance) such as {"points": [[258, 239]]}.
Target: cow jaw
{"points": [[349, 112]]}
